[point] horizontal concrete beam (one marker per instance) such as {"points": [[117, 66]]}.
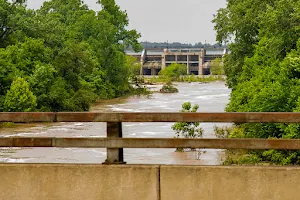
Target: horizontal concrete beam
{"points": [[152, 143], [24, 117], [249, 117]]}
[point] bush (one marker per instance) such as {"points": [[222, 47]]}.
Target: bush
{"points": [[222, 132], [174, 71], [217, 67], [168, 88], [188, 129], [19, 98]]}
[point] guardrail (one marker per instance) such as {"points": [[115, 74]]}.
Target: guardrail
{"points": [[115, 143]]}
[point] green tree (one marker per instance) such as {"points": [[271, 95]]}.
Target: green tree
{"points": [[174, 71], [70, 55], [239, 23], [19, 98], [188, 129], [217, 67], [263, 66], [40, 81], [11, 13], [134, 65]]}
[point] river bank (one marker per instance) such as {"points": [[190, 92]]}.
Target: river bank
{"points": [[184, 79]]}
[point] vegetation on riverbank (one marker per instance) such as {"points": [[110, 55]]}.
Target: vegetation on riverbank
{"points": [[63, 56], [187, 79], [246, 157], [178, 73], [217, 67], [263, 68]]}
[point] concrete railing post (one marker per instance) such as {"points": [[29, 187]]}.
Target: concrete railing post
{"points": [[114, 155]]}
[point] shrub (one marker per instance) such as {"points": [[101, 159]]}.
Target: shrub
{"points": [[174, 71], [19, 98], [168, 88], [188, 129]]}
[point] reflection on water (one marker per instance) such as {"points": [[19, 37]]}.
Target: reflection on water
{"points": [[211, 97]]}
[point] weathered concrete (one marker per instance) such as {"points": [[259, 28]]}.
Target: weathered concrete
{"points": [[249, 117], [229, 183], [143, 182], [114, 155], [78, 182]]}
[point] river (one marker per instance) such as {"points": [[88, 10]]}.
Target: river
{"points": [[211, 97]]}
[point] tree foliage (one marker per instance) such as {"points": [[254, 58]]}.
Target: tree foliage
{"points": [[174, 71], [134, 65], [217, 67], [178, 45], [263, 66], [168, 87], [19, 97], [70, 55], [188, 129]]}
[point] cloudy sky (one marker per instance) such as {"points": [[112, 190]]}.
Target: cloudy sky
{"points": [[167, 20]]}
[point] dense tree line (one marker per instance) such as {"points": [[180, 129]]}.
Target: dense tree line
{"points": [[263, 68], [178, 45], [63, 56]]}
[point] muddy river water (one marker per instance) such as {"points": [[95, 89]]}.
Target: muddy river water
{"points": [[211, 97]]}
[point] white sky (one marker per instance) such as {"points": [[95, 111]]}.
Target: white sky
{"points": [[186, 21]]}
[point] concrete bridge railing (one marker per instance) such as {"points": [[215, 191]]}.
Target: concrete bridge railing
{"points": [[115, 143], [147, 182]]}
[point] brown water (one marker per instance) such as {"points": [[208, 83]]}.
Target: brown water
{"points": [[211, 97]]}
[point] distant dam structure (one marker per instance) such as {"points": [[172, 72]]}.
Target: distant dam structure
{"points": [[197, 60]]}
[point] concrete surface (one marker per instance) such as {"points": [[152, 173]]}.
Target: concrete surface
{"points": [[78, 182], [229, 183], [147, 182]]}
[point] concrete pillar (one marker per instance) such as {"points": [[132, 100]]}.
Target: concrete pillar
{"points": [[114, 156], [225, 51], [187, 65], [152, 71], [200, 65], [201, 62], [141, 69], [163, 61], [142, 60]]}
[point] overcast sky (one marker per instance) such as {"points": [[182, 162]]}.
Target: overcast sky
{"points": [[186, 21]]}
